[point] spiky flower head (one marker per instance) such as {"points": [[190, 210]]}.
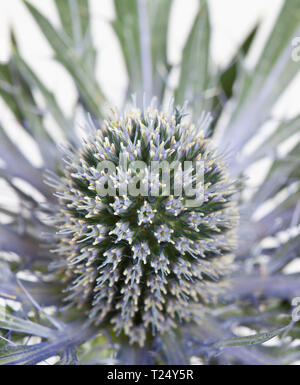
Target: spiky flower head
{"points": [[145, 260]]}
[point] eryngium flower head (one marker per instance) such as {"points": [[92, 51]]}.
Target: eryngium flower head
{"points": [[139, 262]]}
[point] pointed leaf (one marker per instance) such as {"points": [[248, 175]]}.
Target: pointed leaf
{"points": [[75, 20], [126, 27], [258, 338], [265, 84], [228, 77], [50, 100], [89, 90], [195, 73], [11, 322], [160, 16]]}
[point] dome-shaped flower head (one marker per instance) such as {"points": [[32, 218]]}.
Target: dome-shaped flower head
{"points": [[146, 222]]}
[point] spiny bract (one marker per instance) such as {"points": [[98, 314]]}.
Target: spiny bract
{"points": [[143, 263]]}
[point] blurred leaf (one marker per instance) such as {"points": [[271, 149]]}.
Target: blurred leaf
{"points": [[276, 286], [281, 216], [75, 20], [250, 340], [159, 12], [31, 355], [11, 322], [260, 89], [96, 351], [45, 293], [195, 75], [277, 178], [126, 26], [49, 98], [133, 355], [283, 132], [142, 29], [59, 342], [173, 350], [92, 96], [228, 77], [284, 254], [16, 165], [7, 91], [257, 355], [12, 355], [68, 357], [74, 16], [18, 96], [22, 243]]}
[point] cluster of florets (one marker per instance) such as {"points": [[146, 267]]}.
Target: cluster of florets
{"points": [[138, 262]]}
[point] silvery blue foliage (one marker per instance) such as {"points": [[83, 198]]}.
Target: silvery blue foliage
{"points": [[135, 279]]}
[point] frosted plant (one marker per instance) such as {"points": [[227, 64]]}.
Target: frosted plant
{"points": [[92, 272]]}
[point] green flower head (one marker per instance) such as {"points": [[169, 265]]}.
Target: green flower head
{"points": [[139, 249]]}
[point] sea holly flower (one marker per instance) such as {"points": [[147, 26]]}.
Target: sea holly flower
{"points": [[142, 254], [141, 240]]}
